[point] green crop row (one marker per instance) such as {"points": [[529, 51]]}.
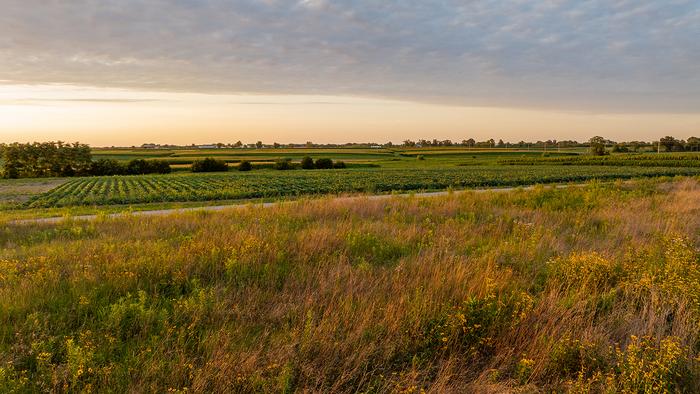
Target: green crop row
{"points": [[229, 186], [638, 160]]}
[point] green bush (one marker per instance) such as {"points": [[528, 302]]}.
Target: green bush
{"points": [[245, 166], [307, 163], [209, 165], [339, 164], [283, 164], [107, 167], [324, 163]]}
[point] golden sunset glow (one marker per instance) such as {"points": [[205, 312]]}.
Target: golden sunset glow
{"points": [[106, 117]]}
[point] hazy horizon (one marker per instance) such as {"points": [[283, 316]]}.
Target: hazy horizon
{"points": [[130, 72]]}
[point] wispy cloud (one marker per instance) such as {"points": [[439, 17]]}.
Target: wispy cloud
{"points": [[45, 101], [620, 56]]}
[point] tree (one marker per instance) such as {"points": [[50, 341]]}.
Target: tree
{"points": [[324, 163], [283, 164], [597, 146], [209, 165], [245, 166], [238, 144], [259, 144], [45, 159], [309, 144], [667, 142], [307, 163], [276, 145]]}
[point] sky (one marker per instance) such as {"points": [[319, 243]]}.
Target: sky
{"points": [[127, 72]]}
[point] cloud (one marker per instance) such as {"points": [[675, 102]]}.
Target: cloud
{"points": [[595, 55]]}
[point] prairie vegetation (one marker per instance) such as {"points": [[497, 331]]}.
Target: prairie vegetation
{"points": [[584, 289]]}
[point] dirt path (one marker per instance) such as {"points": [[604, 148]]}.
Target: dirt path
{"points": [[212, 208]]}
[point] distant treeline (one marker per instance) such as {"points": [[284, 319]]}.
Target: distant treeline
{"points": [[45, 159], [58, 159], [668, 143]]}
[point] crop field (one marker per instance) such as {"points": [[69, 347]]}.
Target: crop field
{"points": [[638, 160], [231, 186], [585, 289], [187, 156], [404, 157]]}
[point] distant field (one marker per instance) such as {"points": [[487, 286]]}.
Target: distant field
{"points": [[259, 184], [397, 156], [640, 160]]}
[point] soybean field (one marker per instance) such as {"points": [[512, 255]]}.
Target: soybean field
{"points": [[232, 186]]}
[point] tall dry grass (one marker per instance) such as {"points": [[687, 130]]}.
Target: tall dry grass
{"points": [[584, 289]]}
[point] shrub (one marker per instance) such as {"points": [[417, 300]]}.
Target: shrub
{"points": [[421, 157], [209, 165], [245, 166], [159, 167], [283, 164], [339, 164], [324, 163], [137, 167], [107, 167], [307, 163]]}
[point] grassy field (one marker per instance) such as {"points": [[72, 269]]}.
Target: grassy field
{"points": [[17, 192], [584, 289]]}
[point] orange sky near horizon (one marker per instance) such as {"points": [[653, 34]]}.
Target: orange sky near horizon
{"points": [[119, 117]]}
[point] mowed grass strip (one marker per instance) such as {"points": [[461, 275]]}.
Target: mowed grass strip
{"points": [[269, 184]]}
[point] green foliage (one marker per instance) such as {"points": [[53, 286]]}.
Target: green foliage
{"points": [[177, 187], [632, 160], [463, 292], [284, 164], [245, 166], [47, 159], [143, 167], [307, 163], [323, 163], [209, 165]]}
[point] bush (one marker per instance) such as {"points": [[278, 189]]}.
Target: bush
{"points": [[160, 167], [142, 167], [339, 164], [245, 166], [421, 157], [209, 165], [307, 163], [324, 163], [283, 164], [107, 167]]}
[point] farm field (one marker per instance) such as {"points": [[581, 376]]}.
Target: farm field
{"points": [[270, 184], [637, 160], [594, 288], [395, 157]]}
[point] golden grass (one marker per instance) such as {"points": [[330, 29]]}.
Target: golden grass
{"points": [[583, 289]]}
